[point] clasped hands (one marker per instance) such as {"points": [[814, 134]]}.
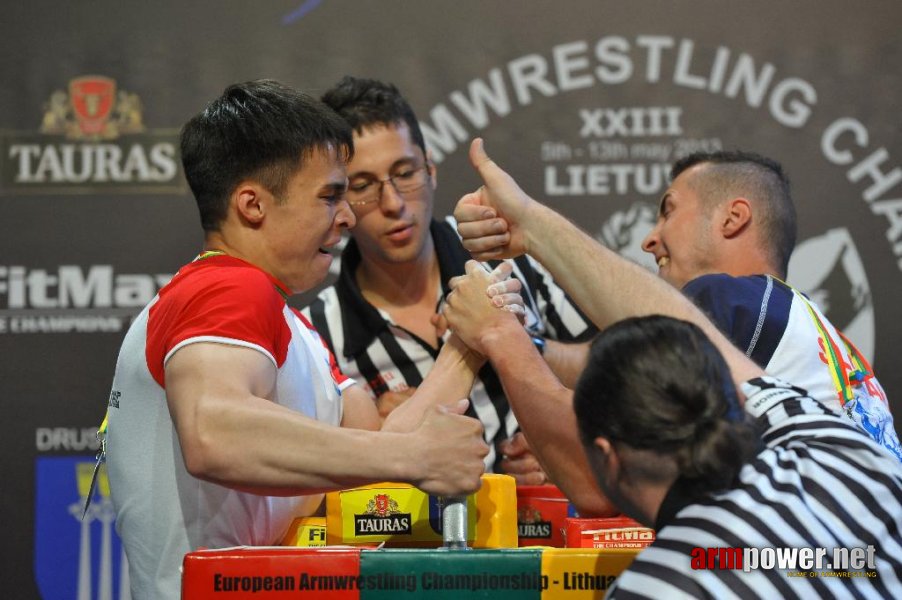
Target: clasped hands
{"points": [[488, 221], [480, 299], [477, 302]]}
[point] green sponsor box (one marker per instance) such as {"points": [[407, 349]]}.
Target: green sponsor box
{"points": [[451, 574]]}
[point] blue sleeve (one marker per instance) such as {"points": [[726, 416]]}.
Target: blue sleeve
{"points": [[752, 311]]}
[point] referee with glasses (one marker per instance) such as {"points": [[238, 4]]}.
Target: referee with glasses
{"points": [[380, 317]]}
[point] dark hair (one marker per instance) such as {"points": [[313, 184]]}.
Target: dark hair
{"points": [[657, 383], [367, 102], [259, 130], [759, 179]]}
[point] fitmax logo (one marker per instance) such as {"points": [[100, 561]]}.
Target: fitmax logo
{"points": [[72, 286]]}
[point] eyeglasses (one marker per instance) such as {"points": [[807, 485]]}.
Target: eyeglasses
{"points": [[367, 191]]}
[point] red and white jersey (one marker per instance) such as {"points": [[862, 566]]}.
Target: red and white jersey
{"points": [[162, 511]]}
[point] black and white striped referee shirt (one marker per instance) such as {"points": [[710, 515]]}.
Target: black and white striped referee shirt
{"points": [[818, 483], [382, 356]]}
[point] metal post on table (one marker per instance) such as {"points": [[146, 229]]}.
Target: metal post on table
{"points": [[454, 523]]}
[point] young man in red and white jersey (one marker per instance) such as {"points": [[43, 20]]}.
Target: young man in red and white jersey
{"points": [[228, 417]]}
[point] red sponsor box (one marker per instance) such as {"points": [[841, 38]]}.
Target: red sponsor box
{"points": [[271, 572], [618, 532], [542, 512]]}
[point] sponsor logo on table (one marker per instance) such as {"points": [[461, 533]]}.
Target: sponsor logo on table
{"points": [[623, 537], [382, 516], [530, 523]]}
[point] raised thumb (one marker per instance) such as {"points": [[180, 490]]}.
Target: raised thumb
{"points": [[478, 157]]}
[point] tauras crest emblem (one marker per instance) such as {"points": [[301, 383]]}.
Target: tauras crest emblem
{"points": [[94, 108], [381, 506]]}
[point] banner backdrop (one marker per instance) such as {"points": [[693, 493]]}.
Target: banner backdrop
{"points": [[586, 103]]}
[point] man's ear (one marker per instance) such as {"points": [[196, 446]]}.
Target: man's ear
{"points": [[248, 199], [611, 458], [737, 217]]}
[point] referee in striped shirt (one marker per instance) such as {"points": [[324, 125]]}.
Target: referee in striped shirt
{"points": [[395, 270], [679, 429], [658, 415]]}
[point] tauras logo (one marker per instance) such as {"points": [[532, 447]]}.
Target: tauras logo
{"points": [[370, 524], [92, 138], [539, 529], [530, 523], [92, 163], [382, 515]]}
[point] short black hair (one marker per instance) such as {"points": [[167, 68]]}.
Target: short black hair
{"points": [[658, 383], [367, 102], [761, 180], [261, 130]]}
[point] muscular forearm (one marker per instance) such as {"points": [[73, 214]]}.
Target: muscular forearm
{"points": [[609, 288], [566, 361], [358, 410], [258, 446], [449, 380], [231, 432], [544, 409]]}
